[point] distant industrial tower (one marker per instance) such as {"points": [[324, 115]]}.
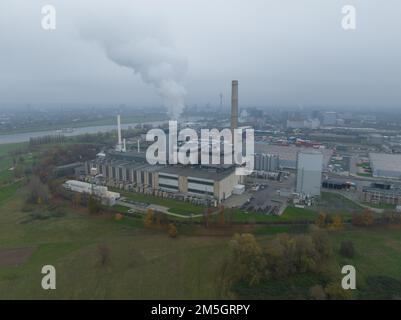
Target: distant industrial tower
{"points": [[221, 100], [234, 105], [309, 172], [120, 147]]}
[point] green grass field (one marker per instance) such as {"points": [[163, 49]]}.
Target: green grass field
{"points": [[6, 160], [147, 264], [9, 191], [143, 263], [337, 204], [291, 214], [385, 206], [378, 254]]}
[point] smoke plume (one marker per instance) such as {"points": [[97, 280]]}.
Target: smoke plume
{"points": [[148, 53]]}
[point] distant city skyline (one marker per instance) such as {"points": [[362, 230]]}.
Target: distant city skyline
{"points": [[283, 53]]}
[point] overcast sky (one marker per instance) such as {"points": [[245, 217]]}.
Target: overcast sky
{"points": [[283, 52]]}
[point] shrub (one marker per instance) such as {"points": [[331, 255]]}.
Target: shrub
{"points": [[317, 293], [118, 217]]}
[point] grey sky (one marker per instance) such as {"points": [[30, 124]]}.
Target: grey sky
{"points": [[283, 52]]}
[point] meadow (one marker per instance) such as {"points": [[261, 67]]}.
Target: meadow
{"points": [[145, 263]]}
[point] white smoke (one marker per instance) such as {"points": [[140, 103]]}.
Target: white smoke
{"points": [[147, 52]]}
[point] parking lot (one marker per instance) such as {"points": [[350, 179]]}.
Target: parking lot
{"points": [[265, 200]]}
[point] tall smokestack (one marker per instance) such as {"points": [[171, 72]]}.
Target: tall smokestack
{"points": [[120, 147], [234, 105], [119, 130]]}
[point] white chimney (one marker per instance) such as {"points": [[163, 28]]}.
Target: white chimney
{"points": [[120, 147], [119, 129]]}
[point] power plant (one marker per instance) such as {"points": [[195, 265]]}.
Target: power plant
{"points": [[208, 184]]}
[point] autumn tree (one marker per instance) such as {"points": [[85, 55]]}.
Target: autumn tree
{"points": [[336, 223], [334, 291], [172, 230], [364, 219], [118, 216], [322, 243], [39, 192], [148, 221], [305, 254], [367, 217], [248, 262], [287, 255], [321, 220]]}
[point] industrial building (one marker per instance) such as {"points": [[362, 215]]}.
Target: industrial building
{"points": [[72, 169], [309, 173], [337, 184], [382, 194], [266, 162], [288, 154], [385, 165], [210, 184], [106, 197]]}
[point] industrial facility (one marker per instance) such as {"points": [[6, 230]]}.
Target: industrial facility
{"points": [[101, 192], [288, 154], [206, 184], [203, 184], [266, 162], [382, 193], [309, 173], [385, 165]]}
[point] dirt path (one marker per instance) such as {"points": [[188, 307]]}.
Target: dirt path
{"points": [[15, 256]]}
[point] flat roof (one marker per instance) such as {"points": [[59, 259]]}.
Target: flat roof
{"points": [[385, 161], [210, 172], [290, 152], [198, 172]]}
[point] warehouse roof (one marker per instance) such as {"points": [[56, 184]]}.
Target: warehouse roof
{"points": [[385, 162], [290, 152]]}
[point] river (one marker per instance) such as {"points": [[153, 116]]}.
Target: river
{"points": [[23, 137]]}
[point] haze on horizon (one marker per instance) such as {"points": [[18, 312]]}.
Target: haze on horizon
{"points": [[282, 52]]}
